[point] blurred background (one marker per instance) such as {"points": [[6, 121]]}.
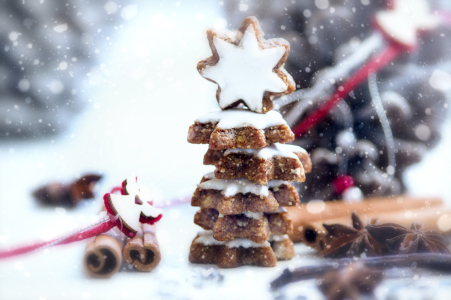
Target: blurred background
{"points": [[111, 87]]}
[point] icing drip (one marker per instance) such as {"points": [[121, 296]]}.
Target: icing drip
{"points": [[245, 243], [278, 237], [206, 238], [277, 183], [279, 210], [236, 118], [231, 187], [245, 71], [271, 184], [270, 151], [253, 215]]}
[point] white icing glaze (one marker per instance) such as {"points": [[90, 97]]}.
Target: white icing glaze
{"points": [[278, 237], [231, 187], [206, 238], [271, 184], [245, 243], [279, 210], [210, 175], [237, 118], [249, 214], [407, 17], [270, 151], [128, 210], [276, 183], [253, 215], [245, 71]]}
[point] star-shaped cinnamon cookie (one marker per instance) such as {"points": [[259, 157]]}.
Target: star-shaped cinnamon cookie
{"points": [[247, 68]]}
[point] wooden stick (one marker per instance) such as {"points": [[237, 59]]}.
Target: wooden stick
{"points": [[103, 254], [437, 218], [308, 213], [143, 250]]}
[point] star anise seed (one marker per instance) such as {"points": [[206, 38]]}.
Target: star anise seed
{"points": [[350, 241], [400, 240]]}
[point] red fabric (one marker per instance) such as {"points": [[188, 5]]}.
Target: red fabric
{"points": [[342, 183], [375, 64]]}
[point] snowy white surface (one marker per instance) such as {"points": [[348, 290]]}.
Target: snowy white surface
{"points": [[145, 94]]}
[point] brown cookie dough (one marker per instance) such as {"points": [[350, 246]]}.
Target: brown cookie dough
{"points": [[239, 129], [205, 250], [253, 226], [234, 38], [282, 246], [260, 199], [259, 166]]}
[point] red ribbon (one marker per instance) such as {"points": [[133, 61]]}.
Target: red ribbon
{"points": [[375, 64], [103, 227]]}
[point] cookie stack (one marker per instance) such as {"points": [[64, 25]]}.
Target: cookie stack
{"points": [[242, 201]]}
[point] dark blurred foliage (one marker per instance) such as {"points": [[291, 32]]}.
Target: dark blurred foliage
{"points": [[319, 39], [47, 49]]}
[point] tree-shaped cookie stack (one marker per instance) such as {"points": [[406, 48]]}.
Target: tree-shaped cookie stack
{"points": [[241, 202]]}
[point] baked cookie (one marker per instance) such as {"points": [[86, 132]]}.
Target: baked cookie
{"points": [[275, 162], [282, 246], [206, 250], [247, 68], [235, 196], [239, 128], [256, 227]]}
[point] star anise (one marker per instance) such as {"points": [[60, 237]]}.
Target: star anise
{"points": [[398, 239], [350, 241], [67, 194], [350, 282]]}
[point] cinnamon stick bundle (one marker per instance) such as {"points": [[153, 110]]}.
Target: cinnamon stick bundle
{"points": [[304, 214], [143, 250], [103, 254], [437, 218]]}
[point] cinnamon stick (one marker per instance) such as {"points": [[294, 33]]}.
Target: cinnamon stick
{"points": [[103, 254], [436, 218], [307, 213], [143, 250]]}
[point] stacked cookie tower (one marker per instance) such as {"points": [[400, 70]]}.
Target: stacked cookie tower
{"points": [[241, 202]]}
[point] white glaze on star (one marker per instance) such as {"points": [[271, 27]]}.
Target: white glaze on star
{"points": [[231, 187], [271, 151], [206, 238], [245, 71], [128, 210], [237, 118], [278, 237], [407, 17]]}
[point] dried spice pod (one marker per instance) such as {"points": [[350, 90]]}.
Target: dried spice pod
{"points": [[401, 240], [350, 241], [59, 194], [350, 283]]}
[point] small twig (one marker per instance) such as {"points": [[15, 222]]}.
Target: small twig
{"points": [[431, 261]]}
